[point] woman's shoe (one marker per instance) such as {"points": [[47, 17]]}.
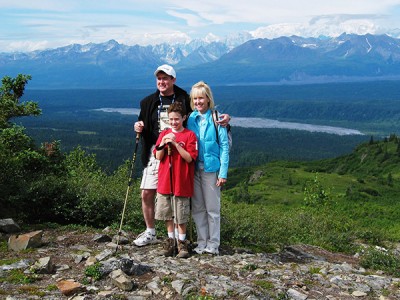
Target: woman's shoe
{"points": [[199, 249], [211, 250]]}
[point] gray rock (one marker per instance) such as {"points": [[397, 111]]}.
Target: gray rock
{"points": [[178, 286], [121, 280], [102, 238], [154, 287], [296, 295], [9, 226], [127, 265], [240, 275], [103, 255], [22, 264], [44, 265]]}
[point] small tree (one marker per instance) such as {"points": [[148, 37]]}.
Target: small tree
{"points": [[398, 149], [315, 194], [393, 138], [11, 91], [390, 179], [19, 160], [371, 140]]}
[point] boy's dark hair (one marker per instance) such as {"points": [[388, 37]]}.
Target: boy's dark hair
{"points": [[177, 107]]}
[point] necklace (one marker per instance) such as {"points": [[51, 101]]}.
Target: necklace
{"points": [[160, 107]]}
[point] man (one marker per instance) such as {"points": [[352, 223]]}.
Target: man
{"points": [[153, 118]]}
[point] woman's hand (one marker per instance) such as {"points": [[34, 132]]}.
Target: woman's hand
{"points": [[224, 119], [221, 181]]}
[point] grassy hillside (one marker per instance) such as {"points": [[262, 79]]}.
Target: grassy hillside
{"points": [[331, 203]]}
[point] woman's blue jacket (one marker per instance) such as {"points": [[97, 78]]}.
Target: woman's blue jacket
{"points": [[216, 155]]}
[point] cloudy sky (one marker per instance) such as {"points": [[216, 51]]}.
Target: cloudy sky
{"points": [[27, 25]]}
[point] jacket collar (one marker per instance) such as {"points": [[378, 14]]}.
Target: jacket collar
{"points": [[207, 114]]}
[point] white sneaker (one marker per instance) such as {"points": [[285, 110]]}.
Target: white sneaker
{"points": [[145, 238], [211, 250], [199, 249]]}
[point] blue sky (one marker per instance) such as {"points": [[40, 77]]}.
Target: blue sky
{"points": [[28, 25]]}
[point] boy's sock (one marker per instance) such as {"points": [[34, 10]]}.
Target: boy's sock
{"points": [[182, 236], [171, 235]]}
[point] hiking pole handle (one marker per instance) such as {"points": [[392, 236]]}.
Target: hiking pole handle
{"points": [[133, 159], [169, 148]]}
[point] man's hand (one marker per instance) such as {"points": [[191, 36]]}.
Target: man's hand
{"points": [[139, 125], [224, 119]]}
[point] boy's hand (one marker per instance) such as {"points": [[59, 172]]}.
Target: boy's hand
{"points": [[169, 138]]}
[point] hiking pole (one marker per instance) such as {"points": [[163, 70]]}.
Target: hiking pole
{"points": [[191, 226], [172, 195], [128, 188]]}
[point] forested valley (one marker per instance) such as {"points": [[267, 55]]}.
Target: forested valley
{"points": [[70, 116]]}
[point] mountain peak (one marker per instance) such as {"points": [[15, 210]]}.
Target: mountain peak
{"points": [[282, 59]]}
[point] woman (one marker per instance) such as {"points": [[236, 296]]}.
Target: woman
{"points": [[211, 169]]}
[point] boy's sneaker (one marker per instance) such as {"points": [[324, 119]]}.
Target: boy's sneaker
{"points": [[211, 250], [199, 249], [145, 238], [183, 249], [168, 247]]}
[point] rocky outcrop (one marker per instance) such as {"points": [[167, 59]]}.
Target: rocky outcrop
{"points": [[25, 241], [129, 272]]}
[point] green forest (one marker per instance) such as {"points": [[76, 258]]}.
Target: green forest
{"points": [[336, 202]]}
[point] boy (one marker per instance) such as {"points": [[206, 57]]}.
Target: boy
{"points": [[176, 148]]}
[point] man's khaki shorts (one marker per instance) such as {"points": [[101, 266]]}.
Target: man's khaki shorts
{"points": [[164, 208], [150, 174]]}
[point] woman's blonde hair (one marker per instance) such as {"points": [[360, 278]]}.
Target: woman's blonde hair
{"points": [[201, 89]]}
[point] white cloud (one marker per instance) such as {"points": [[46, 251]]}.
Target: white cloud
{"points": [[191, 19], [324, 25], [49, 23], [272, 11]]}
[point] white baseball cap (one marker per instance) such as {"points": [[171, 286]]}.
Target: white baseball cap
{"points": [[167, 69]]}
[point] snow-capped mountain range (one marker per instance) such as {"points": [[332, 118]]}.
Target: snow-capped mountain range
{"points": [[238, 59]]}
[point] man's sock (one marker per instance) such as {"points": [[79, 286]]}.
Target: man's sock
{"points": [[151, 230]]}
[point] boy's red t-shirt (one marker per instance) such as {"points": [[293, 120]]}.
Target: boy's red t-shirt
{"points": [[182, 172]]}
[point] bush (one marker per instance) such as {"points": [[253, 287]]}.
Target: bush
{"points": [[267, 229], [315, 194], [379, 260], [93, 271], [97, 196]]}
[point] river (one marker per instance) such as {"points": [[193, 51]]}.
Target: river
{"points": [[260, 123]]}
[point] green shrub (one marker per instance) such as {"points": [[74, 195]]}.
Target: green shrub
{"points": [[269, 229], [52, 287], [379, 260], [18, 277], [264, 284], [93, 271], [315, 194], [3, 246]]}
